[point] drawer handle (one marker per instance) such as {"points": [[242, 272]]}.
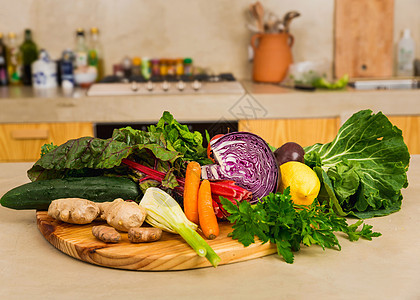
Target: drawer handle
{"points": [[30, 134]]}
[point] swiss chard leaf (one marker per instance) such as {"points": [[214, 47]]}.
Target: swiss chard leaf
{"points": [[366, 164], [92, 153], [166, 146]]}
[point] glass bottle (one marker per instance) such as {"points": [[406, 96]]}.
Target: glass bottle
{"points": [[95, 56], [3, 63], [14, 60], [29, 52], [406, 54], [67, 73], [81, 50]]}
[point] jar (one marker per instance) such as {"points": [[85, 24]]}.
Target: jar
{"points": [[179, 66], [163, 67], [171, 67], [188, 66], [155, 67], [136, 66]]}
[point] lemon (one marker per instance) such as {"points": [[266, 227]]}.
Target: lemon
{"points": [[303, 181]]}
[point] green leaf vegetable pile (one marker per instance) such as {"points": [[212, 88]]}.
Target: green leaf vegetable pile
{"points": [[277, 220]]}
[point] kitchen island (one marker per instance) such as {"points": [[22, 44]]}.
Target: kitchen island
{"points": [[386, 268]]}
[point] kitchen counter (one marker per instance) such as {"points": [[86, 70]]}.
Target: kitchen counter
{"points": [[386, 268], [260, 101]]}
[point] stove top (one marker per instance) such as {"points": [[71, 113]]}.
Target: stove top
{"points": [[197, 84]]}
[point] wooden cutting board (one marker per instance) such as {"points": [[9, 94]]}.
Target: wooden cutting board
{"points": [[363, 38], [169, 253]]}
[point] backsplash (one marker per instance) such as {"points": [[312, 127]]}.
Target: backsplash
{"points": [[213, 33]]}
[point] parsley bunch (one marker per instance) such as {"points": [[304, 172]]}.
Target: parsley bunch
{"points": [[277, 220]]}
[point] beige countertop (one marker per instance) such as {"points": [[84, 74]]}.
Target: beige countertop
{"points": [[386, 268], [265, 101]]}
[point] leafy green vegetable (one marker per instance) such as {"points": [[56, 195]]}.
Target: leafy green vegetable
{"points": [[277, 220], [92, 153], [165, 147], [323, 83], [47, 148], [364, 168], [179, 138]]}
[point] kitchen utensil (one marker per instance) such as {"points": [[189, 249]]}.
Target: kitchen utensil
{"points": [[278, 26], [258, 12], [288, 17], [270, 21], [252, 28], [169, 253], [272, 56], [251, 22]]}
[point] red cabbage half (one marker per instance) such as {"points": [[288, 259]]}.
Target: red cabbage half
{"points": [[246, 159]]}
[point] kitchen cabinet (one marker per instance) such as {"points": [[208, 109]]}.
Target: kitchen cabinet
{"points": [[308, 131], [22, 142], [305, 131], [410, 127]]}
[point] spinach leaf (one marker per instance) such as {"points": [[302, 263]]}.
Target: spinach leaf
{"points": [[179, 138], [365, 164]]}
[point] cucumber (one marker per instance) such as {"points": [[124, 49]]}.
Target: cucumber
{"points": [[39, 194]]}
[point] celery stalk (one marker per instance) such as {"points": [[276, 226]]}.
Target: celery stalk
{"points": [[165, 213]]}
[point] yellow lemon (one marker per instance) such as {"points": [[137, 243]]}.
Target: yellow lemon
{"points": [[303, 181]]}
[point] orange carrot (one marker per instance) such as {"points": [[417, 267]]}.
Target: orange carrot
{"points": [[192, 184], [207, 217]]}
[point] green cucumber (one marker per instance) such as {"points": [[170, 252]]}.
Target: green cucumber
{"points": [[39, 194]]}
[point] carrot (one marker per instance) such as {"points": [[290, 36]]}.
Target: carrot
{"points": [[192, 184], [207, 217]]}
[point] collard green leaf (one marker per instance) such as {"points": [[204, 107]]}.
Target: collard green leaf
{"points": [[366, 163]]}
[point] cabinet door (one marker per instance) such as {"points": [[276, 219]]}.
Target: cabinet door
{"points": [[410, 127], [22, 142], [305, 132]]}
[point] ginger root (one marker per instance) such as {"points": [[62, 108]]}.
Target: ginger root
{"points": [[73, 210], [144, 234], [106, 234], [122, 215]]}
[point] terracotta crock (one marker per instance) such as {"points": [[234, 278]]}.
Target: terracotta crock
{"points": [[272, 56]]}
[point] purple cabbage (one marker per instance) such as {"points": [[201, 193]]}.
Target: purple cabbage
{"points": [[246, 159]]}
